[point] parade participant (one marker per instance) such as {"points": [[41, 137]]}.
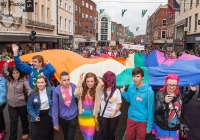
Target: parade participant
{"points": [[111, 115], [36, 70], [88, 93], [169, 104], [17, 93], [141, 110], [65, 107], [3, 91], [40, 109]]}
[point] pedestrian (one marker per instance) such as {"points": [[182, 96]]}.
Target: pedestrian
{"points": [[169, 106], [88, 92], [3, 90], [65, 107], [112, 112], [141, 110], [40, 109], [34, 71], [17, 92]]}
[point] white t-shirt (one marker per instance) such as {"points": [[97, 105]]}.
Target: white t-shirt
{"points": [[112, 104], [44, 100]]}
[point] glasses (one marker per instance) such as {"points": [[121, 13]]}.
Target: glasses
{"points": [[172, 85]]}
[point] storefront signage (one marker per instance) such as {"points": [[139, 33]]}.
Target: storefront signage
{"points": [[29, 5], [197, 38]]}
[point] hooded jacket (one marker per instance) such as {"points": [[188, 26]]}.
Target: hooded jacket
{"points": [[3, 89], [141, 101]]}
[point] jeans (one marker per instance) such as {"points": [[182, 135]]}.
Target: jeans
{"points": [[2, 121], [69, 127], [109, 126], [14, 113]]}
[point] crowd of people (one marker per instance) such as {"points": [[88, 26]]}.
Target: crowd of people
{"points": [[71, 104]]}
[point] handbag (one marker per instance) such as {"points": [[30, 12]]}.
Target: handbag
{"points": [[99, 134], [183, 128]]}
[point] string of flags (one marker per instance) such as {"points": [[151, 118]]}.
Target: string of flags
{"points": [[143, 13], [137, 28], [123, 11], [101, 11]]}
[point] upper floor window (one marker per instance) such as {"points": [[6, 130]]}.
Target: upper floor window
{"points": [[87, 5]]}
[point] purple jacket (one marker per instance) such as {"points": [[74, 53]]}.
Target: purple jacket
{"points": [[59, 108]]}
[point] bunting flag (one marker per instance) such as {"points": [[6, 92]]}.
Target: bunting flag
{"points": [[127, 28], [101, 11], [137, 28], [171, 9], [143, 13], [113, 27], [123, 11], [128, 33], [177, 7]]}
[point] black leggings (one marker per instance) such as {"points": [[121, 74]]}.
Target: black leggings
{"points": [[109, 126], [2, 121]]}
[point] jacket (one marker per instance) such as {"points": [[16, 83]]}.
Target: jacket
{"points": [[97, 103], [48, 70], [162, 111], [141, 101], [3, 89], [33, 107], [59, 108], [16, 90]]}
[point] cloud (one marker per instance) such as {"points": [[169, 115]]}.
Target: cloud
{"points": [[133, 15]]}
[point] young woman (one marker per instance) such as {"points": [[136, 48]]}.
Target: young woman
{"points": [[88, 95], [111, 115], [169, 104], [17, 93], [39, 107], [3, 87]]}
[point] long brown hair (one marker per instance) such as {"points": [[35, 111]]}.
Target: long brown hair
{"points": [[85, 88], [36, 90]]}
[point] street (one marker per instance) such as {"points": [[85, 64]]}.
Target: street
{"points": [[192, 113]]}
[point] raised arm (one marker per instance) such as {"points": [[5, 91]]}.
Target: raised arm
{"points": [[77, 92], [51, 69], [5, 70]]}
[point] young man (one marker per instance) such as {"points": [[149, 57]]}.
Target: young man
{"points": [[35, 70], [141, 110], [65, 107]]}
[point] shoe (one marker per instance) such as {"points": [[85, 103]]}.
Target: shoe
{"points": [[2, 135], [25, 136]]}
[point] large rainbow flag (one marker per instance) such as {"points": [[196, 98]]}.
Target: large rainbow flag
{"points": [[155, 66]]}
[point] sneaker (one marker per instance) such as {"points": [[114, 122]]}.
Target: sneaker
{"points": [[2, 135], [25, 136]]}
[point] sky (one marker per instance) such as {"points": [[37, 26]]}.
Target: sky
{"points": [[133, 15]]}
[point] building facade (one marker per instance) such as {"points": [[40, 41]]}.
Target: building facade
{"points": [[104, 28], [187, 26], [149, 30], [85, 23], [140, 39]]}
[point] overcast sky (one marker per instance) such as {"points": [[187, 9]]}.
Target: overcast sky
{"points": [[133, 15]]}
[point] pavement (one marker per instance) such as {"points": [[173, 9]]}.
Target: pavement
{"points": [[191, 111]]}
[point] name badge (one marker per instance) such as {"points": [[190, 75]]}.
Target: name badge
{"points": [[139, 99]]}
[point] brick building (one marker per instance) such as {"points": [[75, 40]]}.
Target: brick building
{"points": [[85, 23], [140, 39]]}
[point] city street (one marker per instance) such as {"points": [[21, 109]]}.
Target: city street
{"points": [[192, 113]]}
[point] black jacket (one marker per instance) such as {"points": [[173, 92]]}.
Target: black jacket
{"points": [[162, 110]]}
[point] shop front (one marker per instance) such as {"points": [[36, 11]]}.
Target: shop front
{"points": [[193, 42]]}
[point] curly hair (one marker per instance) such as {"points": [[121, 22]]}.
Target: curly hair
{"points": [[85, 87], [109, 80]]}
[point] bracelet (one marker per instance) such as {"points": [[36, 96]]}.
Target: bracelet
{"points": [[115, 110]]}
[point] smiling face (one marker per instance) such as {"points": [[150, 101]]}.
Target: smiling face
{"points": [[90, 82], [36, 64], [15, 74], [41, 84], [171, 85]]}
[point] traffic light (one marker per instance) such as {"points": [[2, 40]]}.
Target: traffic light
{"points": [[32, 36]]}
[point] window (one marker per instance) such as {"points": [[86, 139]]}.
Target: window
{"points": [[87, 5], [79, 9], [69, 25], [69, 8], [47, 15], [86, 29], [90, 30], [66, 6], [104, 28], [83, 3], [82, 15], [163, 34], [76, 8], [164, 22], [197, 1], [191, 3], [195, 22], [91, 7], [82, 28], [60, 3], [189, 23], [86, 17], [91, 19], [75, 24], [42, 13], [65, 24], [60, 23]]}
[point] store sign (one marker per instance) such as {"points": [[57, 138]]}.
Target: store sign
{"points": [[197, 38], [29, 5]]}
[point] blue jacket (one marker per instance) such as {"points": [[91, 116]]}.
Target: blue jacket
{"points": [[48, 70], [141, 101], [59, 108], [33, 108], [3, 90]]}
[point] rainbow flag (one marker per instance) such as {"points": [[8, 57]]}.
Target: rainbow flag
{"points": [[156, 67]]}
